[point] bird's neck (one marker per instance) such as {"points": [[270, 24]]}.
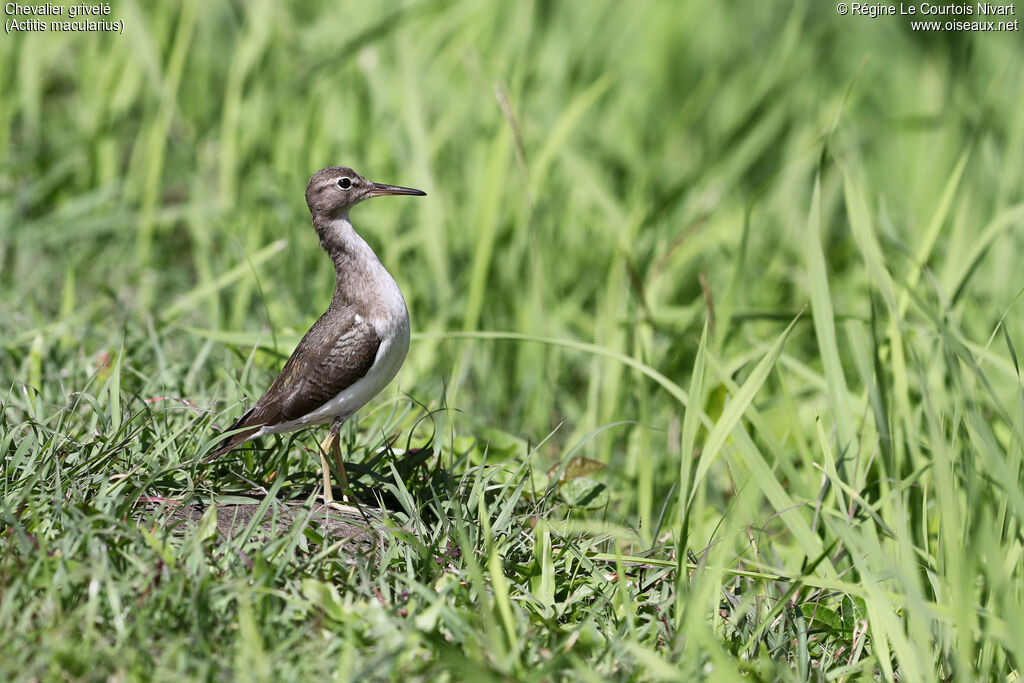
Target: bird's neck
{"points": [[359, 270], [343, 244]]}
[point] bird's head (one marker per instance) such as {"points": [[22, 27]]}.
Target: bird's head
{"points": [[333, 191]]}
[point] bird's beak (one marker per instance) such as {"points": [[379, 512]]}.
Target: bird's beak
{"points": [[379, 190]]}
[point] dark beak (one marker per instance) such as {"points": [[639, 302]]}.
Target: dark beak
{"points": [[379, 190]]}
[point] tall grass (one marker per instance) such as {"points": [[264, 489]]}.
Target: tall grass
{"points": [[714, 371]]}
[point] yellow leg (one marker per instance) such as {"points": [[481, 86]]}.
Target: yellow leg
{"points": [[330, 443]]}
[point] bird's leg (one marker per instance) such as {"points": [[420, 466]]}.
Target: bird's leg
{"points": [[332, 443], [328, 443]]}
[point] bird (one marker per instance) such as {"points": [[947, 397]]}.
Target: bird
{"points": [[354, 349]]}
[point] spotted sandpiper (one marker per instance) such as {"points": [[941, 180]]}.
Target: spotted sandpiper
{"points": [[355, 348]]}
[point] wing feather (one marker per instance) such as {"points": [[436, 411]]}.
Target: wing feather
{"points": [[337, 351]]}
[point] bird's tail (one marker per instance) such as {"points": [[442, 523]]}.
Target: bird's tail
{"points": [[235, 440]]}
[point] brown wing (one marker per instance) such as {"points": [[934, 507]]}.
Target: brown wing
{"points": [[336, 352]]}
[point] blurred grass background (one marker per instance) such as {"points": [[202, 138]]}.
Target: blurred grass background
{"points": [[612, 175]]}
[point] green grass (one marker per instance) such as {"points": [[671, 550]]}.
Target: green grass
{"points": [[715, 363]]}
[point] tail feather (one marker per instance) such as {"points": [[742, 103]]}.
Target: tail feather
{"points": [[235, 440]]}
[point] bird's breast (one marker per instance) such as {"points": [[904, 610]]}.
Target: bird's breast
{"points": [[393, 330], [391, 323]]}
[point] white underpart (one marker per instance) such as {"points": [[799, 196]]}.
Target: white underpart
{"points": [[393, 330]]}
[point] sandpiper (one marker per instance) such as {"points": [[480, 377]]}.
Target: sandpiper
{"points": [[355, 348]]}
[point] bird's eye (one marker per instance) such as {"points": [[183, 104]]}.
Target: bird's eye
{"points": [[344, 183]]}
